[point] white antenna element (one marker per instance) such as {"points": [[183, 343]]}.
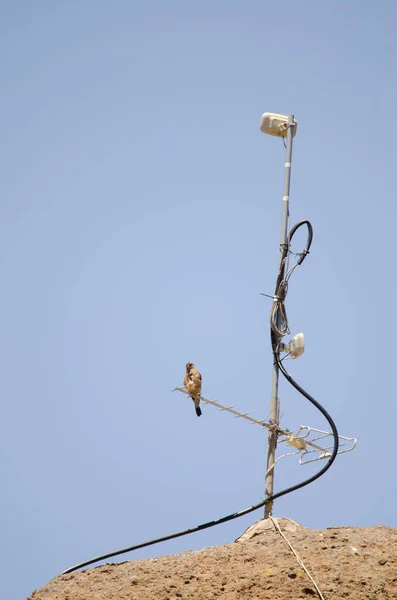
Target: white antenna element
{"points": [[304, 446], [301, 442], [296, 346]]}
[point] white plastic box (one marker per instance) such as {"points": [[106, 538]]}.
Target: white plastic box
{"points": [[273, 124]]}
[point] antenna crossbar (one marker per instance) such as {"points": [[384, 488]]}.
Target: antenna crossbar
{"points": [[230, 409]]}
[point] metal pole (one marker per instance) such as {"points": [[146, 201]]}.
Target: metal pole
{"points": [[274, 413]]}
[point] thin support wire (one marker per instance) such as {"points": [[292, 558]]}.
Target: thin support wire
{"points": [[279, 458], [299, 560]]}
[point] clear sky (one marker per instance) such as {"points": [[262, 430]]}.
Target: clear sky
{"points": [[140, 220]]}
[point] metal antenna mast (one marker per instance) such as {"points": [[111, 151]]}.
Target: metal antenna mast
{"points": [[310, 443], [280, 126]]}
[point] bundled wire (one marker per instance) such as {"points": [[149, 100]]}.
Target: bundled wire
{"points": [[278, 314], [279, 327]]}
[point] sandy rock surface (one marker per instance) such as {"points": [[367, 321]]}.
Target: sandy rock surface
{"points": [[345, 562]]}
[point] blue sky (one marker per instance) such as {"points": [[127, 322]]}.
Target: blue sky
{"points": [[140, 220]]}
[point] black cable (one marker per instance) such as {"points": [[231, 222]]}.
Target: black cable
{"points": [[309, 238], [275, 338], [273, 497], [225, 519]]}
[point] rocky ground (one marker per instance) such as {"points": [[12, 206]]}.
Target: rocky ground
{"points": [[345, 562]]}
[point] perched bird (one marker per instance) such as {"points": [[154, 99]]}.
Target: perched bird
{"points": [[192, 381]]}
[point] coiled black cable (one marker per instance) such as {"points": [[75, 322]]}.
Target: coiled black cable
{"points": [[282, 281]]}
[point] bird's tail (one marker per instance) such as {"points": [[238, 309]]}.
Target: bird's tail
{"points": [[198, 411]]}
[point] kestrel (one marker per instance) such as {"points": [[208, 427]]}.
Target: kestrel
{"points": [[192, 383]]}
